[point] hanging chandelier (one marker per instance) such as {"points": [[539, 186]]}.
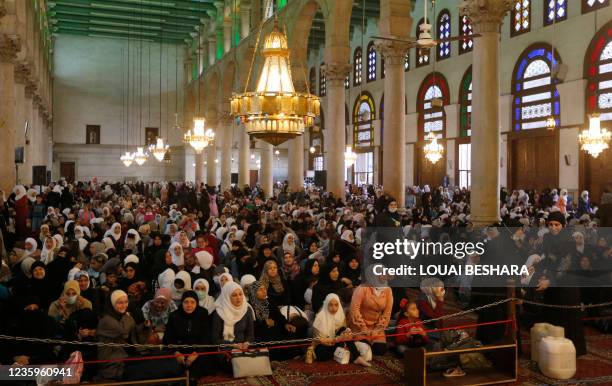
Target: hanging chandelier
{"points": [[594, 140], [159, 149], [127, 159], [350, 157], [275, 112], [140, 156], [433, 150], [200, 138]]}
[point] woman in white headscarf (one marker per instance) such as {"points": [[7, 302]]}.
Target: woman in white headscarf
{"points": [[329, 330], [181, 284], [233, 318], [178, 256], [49, 246], [30, 248], [114, 232], [201, 287], [132, 238], [166, 278]]}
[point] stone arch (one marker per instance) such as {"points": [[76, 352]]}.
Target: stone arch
{"points": [[227, 87]]}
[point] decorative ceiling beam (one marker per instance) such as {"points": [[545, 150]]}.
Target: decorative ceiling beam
{"points": [[74, 30], [118, 29], [132, 8], [98, 20], [92, 12]]}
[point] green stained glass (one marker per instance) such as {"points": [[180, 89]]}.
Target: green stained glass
{"points": [[281, 3]]}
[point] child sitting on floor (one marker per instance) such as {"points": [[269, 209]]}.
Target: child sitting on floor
{"points": [[410, 327]]}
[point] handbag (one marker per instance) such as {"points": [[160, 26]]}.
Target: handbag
{"points": [[251, 363], [364, 350], [342, 355]]}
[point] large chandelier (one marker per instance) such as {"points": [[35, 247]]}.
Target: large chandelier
{"points": [[433, 150], [275, 112], [127, 159], [140, 157], [350, 157], [594, 140], [159, 149], [201, 137]]}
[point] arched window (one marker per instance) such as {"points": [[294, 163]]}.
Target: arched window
{"points": [[465, 29], [554, 10], [590, 5], [432, 97], [364, 114], [598, 72], [312, 80], [444, 32], [422, 53], [357, 66], [465, 100], [371, 62], [322, 81], [520, 17], [407, 61], [535, 96]]}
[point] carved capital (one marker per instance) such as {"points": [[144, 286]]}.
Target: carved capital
{"points": [[2, 9], [335, 73], [485, 15], [22, 72], [393, 52], [10, 45]]}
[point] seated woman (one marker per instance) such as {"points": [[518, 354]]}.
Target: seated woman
{"points": [[69, 302], [278, 290], [190, 325], [305, 282], [329, 282], [156, 311], [330, 330], [370, 313], [206, 301], [271, 325], [233, 320]]}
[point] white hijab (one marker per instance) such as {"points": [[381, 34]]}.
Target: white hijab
{"points": [[111, 232], [166, 278], [326, 323], [208, 302], [205, 259], [178, 259], [289, 247], [28, 252], [228, 312], [19, 191], [133, 232], [186, 278], [46, 255]]}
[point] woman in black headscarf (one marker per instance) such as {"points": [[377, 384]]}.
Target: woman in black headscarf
{"points": [[190, 325], [329, 282], [37, 285], [32, 322], [308, 277]]}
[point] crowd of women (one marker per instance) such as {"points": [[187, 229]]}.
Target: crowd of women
{"points": [[174, 263]]}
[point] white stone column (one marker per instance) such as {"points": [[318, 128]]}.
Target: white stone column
{"points": [[226, 128], [227, 35], [394, 143], [243, 159], [486, 17], [266, 181], [296, 164], [199, 168], [335, 73], [9, 46], [245, 20], [211, 156]]}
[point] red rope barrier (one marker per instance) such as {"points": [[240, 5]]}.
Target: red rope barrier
{"points": [[357, 338]]}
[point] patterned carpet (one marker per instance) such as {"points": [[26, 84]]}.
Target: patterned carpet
{"points": [[595, 368]]}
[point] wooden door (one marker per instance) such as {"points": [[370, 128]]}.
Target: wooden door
{"points": [[427, 173], [68, 171], [596, 174], [253, 177], [533, 160]]}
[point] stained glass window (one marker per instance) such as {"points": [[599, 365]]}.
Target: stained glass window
{"points": [[357, 66], [363, 118], [422, 53], [371, 62], [554, 10], [521, 17], [465, 29], [465, 98], [312, 80], [444, 32], [432, 97], [590, 5], [535, 95], [598, 72], [322, 81]]}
